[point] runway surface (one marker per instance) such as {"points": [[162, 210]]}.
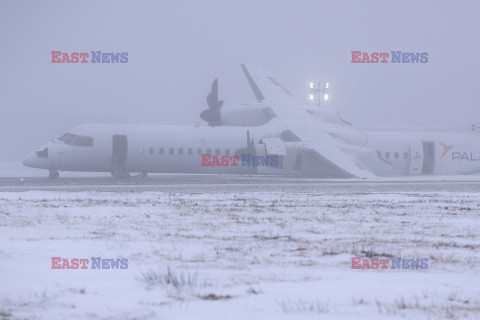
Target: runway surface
{"points": [[232, 183]]}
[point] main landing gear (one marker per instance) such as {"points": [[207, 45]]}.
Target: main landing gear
{"points": [[53, 174]]}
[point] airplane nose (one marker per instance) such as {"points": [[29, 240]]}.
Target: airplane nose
{"points": [[38, 158], [29, 160]]}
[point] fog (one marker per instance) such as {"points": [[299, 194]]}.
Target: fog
{"points": [[175, 49]]}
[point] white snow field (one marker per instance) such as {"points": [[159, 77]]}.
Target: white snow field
{"points": [[240, 252]]}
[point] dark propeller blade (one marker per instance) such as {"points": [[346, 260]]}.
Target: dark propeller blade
{"points": [[212, 114], [212, 98]]}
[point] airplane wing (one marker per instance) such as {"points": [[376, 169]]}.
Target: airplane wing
{"points": [[319, 143]]}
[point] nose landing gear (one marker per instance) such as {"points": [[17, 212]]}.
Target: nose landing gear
{"points": [[53, 174]]}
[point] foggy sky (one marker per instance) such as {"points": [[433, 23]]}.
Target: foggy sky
{"points": [[176, 48]]}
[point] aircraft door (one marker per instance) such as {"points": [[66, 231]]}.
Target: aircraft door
{"points": [[119, 156], [428, 157], [416, 158]]}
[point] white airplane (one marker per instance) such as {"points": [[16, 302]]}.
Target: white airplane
{"points": [[277, 135]]}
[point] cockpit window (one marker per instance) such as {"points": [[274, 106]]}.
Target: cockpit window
{"points": [[75, 140], [67, 138], [83, 141]]}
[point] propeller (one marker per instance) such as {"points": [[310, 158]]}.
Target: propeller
{"points": [[212, 114]]}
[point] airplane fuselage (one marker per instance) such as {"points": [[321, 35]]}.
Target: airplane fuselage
{"points": [[147, 148], [204, 149], [436, 153]]}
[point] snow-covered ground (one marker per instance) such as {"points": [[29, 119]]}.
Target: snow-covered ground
{"points": [[203, 254]]}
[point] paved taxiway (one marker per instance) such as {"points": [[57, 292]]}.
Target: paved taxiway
{"points": [[232, 183]]}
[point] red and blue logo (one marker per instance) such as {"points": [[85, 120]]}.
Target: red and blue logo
{"points": [[389, 57], [384, 263], [93, 263], [243, 160], [89, 57]]}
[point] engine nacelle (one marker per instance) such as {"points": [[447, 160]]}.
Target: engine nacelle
{"points": [[257, 114], [245, 115], [254, 114]]}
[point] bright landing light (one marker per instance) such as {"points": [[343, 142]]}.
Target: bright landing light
{"points": [[325, 96], [311, 85], [312, 97], [327, 85]]}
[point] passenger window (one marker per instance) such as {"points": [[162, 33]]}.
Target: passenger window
{"points": [[227, 152], [199, 151], [170, 151], [150, 150], [190, 150], [209, 151], [140, 150], [387, 155], [396, 155], [161, 151], [405, 155], [217, 151], [180, 150]]}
